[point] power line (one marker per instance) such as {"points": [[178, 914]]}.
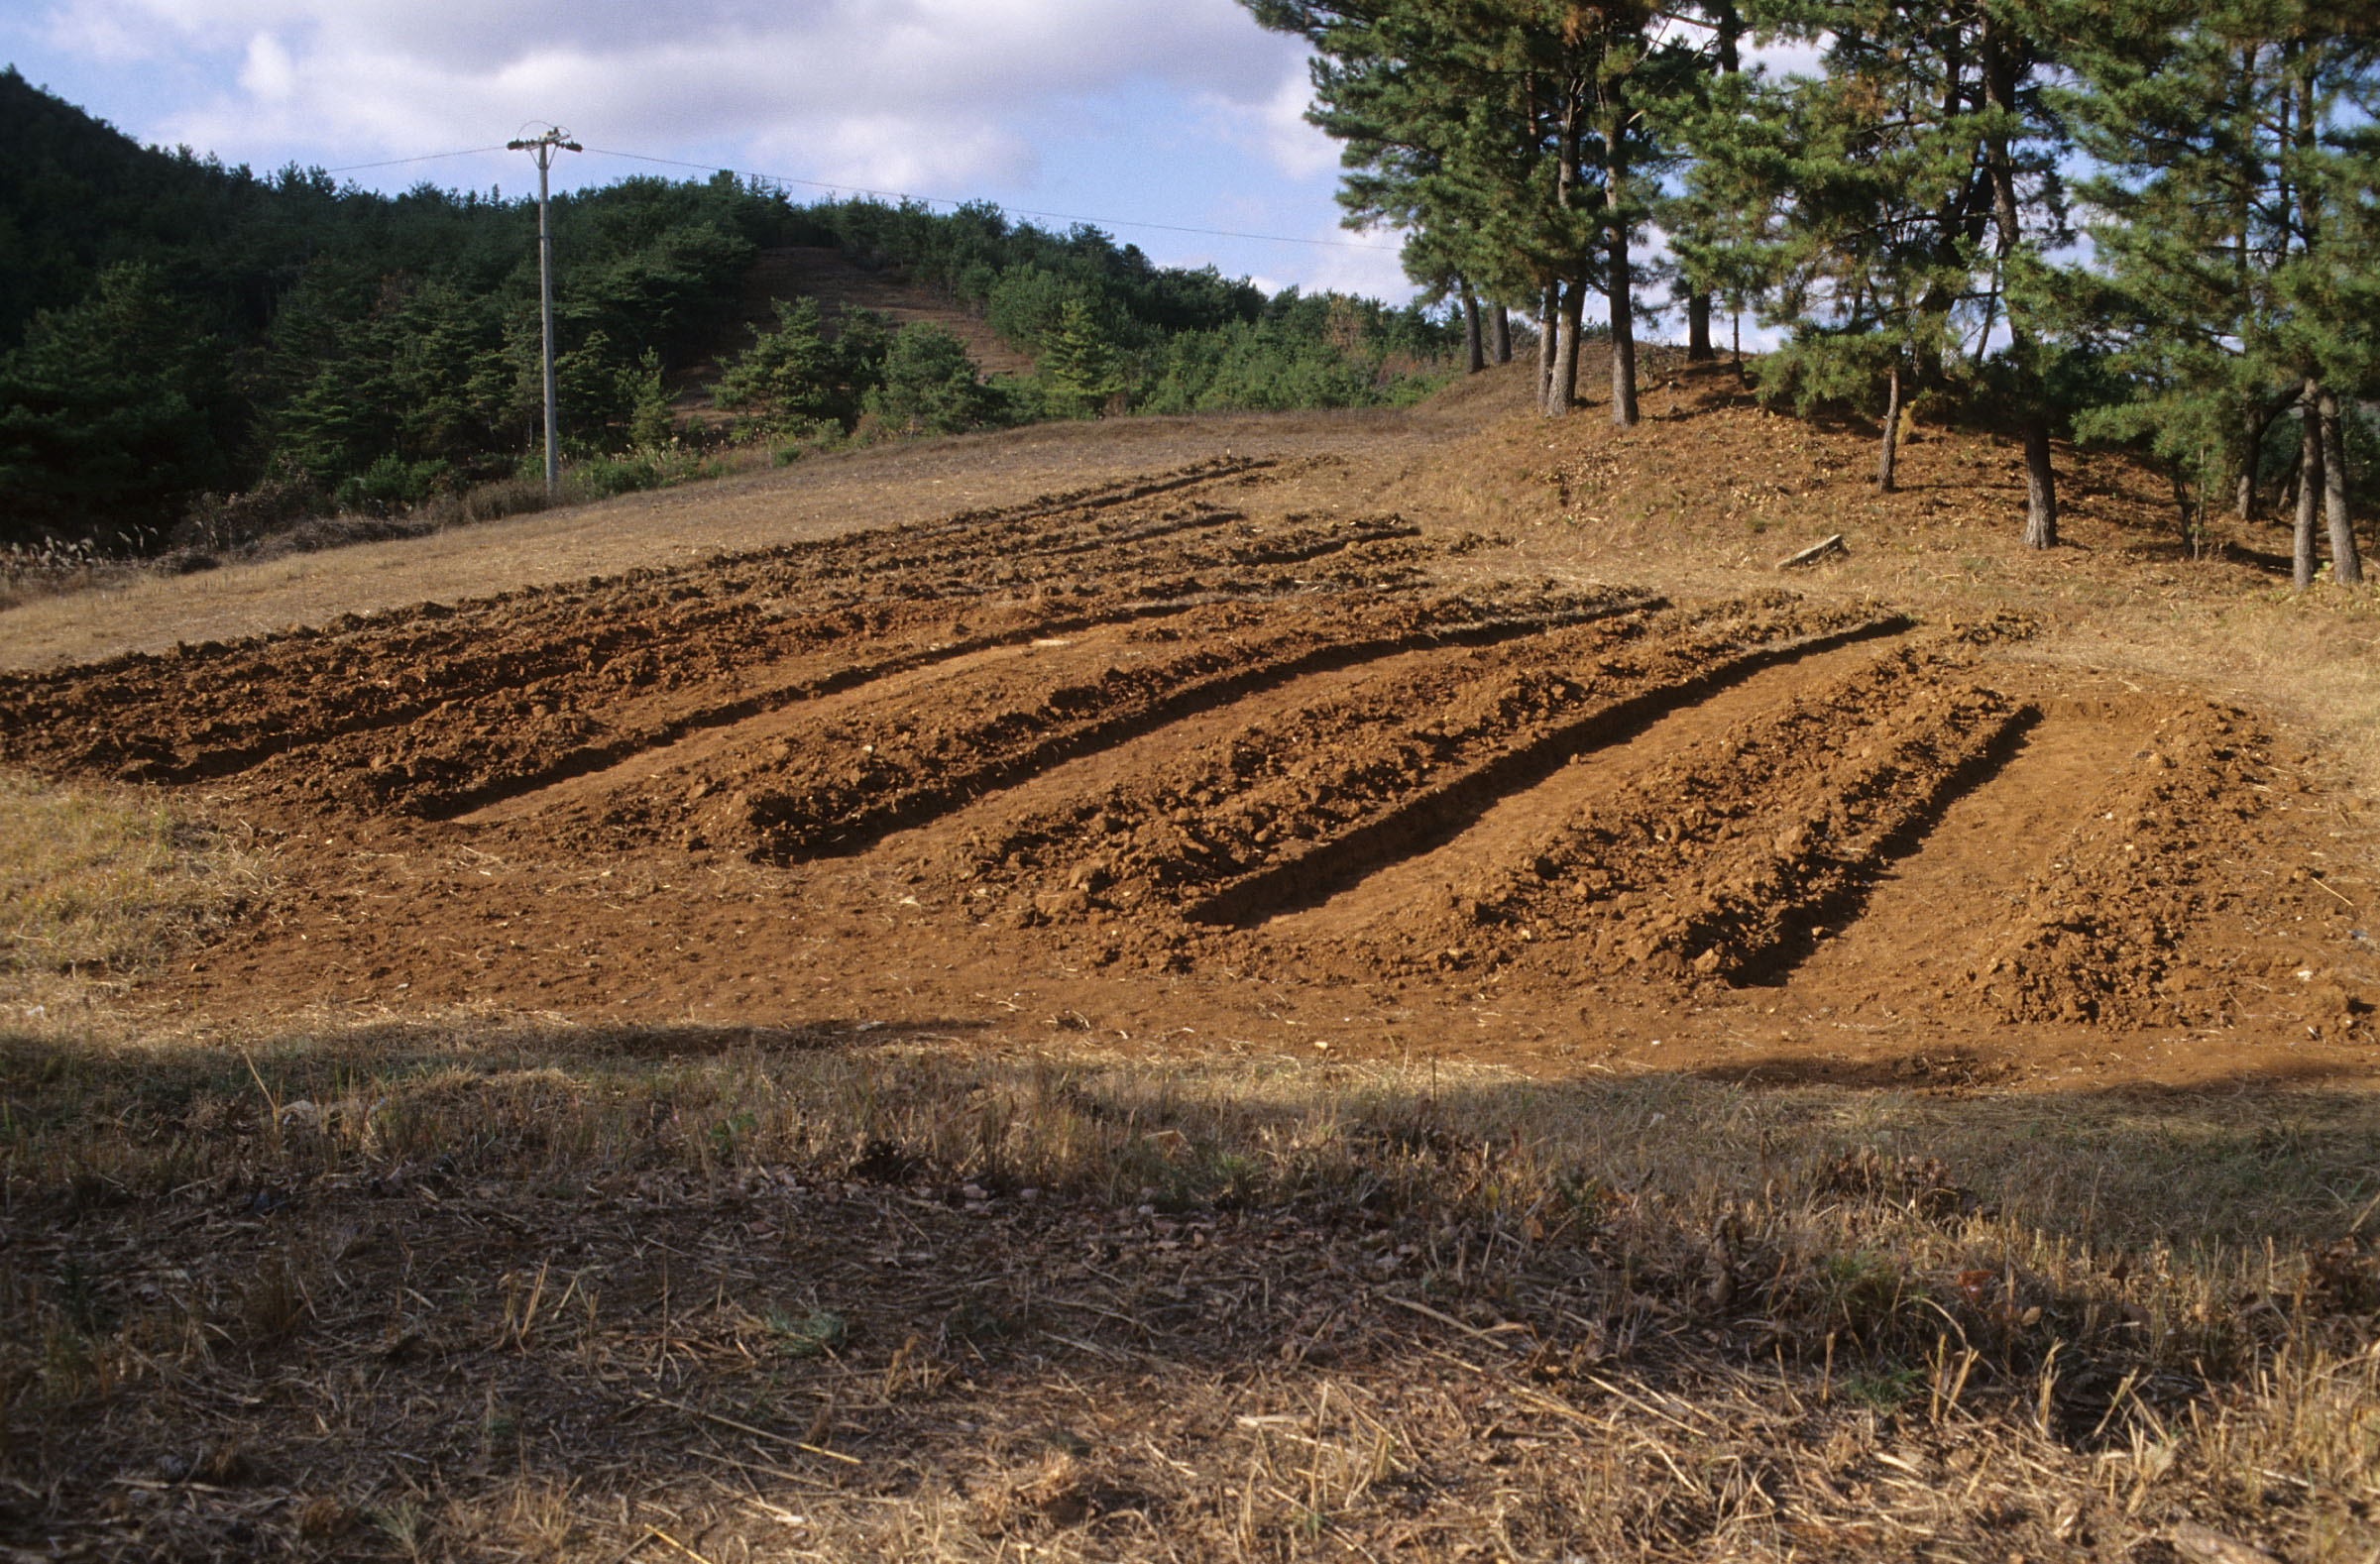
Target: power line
{"points": [[428, 156], [1020, 211], [905, 195]]}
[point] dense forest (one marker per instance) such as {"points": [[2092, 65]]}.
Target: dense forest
{"points": [[174, 332], [2155, 224]]}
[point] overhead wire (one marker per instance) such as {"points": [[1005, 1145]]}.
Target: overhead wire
{"points": [[1021, 211], [900, 195], [428, 156]]}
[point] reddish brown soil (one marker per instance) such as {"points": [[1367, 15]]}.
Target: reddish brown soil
{"points": [[1168, 760]]}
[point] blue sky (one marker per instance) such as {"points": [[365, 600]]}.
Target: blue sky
{"points": [[1167, 111]]}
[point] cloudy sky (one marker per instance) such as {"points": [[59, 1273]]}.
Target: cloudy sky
{"points": [[1126, 112]]}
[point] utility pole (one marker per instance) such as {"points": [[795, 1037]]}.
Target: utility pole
{"points": [[542, 148]]}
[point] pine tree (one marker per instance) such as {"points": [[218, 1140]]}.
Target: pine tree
{"points": [[2020, 144], [1453, 126], [1078, 368], [931, 385], [795, 378], [1853, 204], [1703, 234], [652, 425], [1901, 205], [109, 413], [2238, 244], [1519, 135]]}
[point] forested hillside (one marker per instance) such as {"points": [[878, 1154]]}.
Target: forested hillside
{"points": [[173, 331]]}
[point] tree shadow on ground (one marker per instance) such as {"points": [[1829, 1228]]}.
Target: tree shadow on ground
{"points": [[914, 1293]]}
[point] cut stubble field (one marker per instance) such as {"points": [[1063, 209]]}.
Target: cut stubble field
{"points": [[1393, 939]]}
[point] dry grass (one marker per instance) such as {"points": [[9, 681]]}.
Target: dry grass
{"points": [[2309, 658], [100, 884], [860, 1291]]}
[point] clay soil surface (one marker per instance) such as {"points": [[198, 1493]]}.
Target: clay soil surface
{"points": [[1274, 749]]}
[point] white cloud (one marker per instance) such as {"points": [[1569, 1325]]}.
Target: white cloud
{"points": [[99, 34], [1176, 110], [1364, 263], [1275, 126], [270, 74], [914, 152], [868, 91]]}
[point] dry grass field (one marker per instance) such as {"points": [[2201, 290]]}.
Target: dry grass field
{"points": [[1344, 986]]}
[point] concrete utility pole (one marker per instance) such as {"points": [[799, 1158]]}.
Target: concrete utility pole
{"points": [[542, 147]]}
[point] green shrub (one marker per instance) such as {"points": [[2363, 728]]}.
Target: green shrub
{"points": [[392, 484], [931, 385]]}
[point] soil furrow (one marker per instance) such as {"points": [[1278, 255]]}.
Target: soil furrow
{"points": [[1928, 915], [1323, 764], [1517, 825], [1443, 810], [1728, 850], [755, 720], [1085, 785], [751, 721], [2100, 931], [1102, 496], [842, 807], [1210, 722], [441, 710], [1770, 919]]}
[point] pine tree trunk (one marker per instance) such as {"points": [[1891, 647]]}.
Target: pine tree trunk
{"points": [[1562, 384], [1727, 35], [1620, 289], [1475, 356], [2346, 565], [2310, 487], [1624, 350], [1549, 315], [2041, 480], [1562, 395], [2254, 424], [2248, 184], [2041, 483], [1500, 335], [1891, 442]]}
